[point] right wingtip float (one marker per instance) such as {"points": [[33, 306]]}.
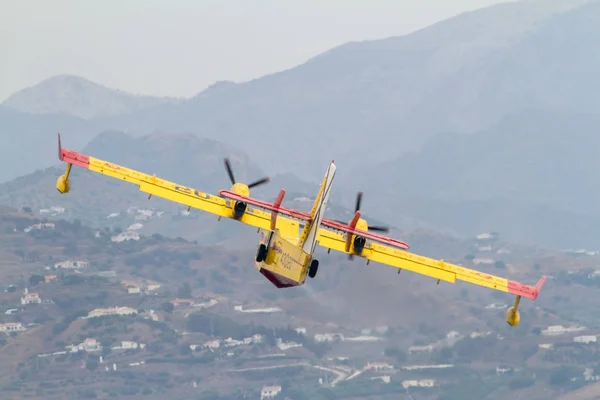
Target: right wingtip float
{"points": [[285, 252], [520, 290]]}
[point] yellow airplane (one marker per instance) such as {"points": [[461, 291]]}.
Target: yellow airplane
{"points": [[285, 253]]}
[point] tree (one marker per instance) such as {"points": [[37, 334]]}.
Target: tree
{"points": [[185, 350], [91, 363], [393, 351], [561, 375], [70, 249], [185, 291], [445, 355], [500, 264], [20, 253], [33, 256], [167, 306], [521, 383], [35, 279], [76, 225]]}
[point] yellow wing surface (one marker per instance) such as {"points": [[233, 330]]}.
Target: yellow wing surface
{"points": [[223, 207], [165, 189], [438, 269]]}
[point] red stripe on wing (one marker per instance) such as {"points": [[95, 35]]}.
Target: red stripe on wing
{"points": [[306, 217], [520, 289], [368, 235], [266, 205], [73, 157]]}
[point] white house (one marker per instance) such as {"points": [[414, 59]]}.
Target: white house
{"points": [[268, 392], [418, 383], [12, 327], [30, 298], [128, 235], [378, 366], [133, 289], [212, 344], [585, 339], [88, 344], [101, 312], [71, 264], [328, 337]]}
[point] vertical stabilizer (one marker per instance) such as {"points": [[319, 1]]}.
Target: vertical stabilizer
{"points": [[308, 239]]}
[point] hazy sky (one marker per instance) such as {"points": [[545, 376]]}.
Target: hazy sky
{"points": [[179, 47]]}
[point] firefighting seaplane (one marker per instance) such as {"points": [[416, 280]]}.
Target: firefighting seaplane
{"points": [[285, 252]]}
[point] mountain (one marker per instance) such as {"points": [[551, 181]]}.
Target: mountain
{"points": [[345, 104], [26, 140], [77, 96], [366, 101], [532, 176]]}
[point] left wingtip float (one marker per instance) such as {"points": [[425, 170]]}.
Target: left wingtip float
{"points": [[70, 157], [62, 183]]}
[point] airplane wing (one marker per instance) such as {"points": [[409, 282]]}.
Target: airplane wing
{"points": [[167, 190], [438, 269], [306, 216]]}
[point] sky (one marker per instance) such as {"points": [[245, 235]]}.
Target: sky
{"points": [[180, 47]]}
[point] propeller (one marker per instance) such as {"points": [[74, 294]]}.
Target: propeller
{"points": [[231, 177], [375, 228], [240, 207]]}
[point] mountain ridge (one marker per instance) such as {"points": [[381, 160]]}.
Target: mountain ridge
{"points": [[79, 97]]}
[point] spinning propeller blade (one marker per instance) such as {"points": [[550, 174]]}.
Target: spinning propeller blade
{"points": [[231, 177], [374, 228], [358, 201], [379, 228], [355, 219], [229, 171], [259, 182]]}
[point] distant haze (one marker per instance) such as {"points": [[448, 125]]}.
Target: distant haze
{"points": [[156, 48]]}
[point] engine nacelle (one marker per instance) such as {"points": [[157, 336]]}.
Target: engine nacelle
{"points": [[359, 244], [512, 316], [239, 209], [62, 184]]}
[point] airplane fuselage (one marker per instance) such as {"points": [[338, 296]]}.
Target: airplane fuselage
{"points": [[281, 260]]}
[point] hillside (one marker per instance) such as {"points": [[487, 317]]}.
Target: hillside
{"points": [[79, 97], [411, 311]]}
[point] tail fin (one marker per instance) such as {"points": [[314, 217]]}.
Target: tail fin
{"points": [[308, 239]]}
